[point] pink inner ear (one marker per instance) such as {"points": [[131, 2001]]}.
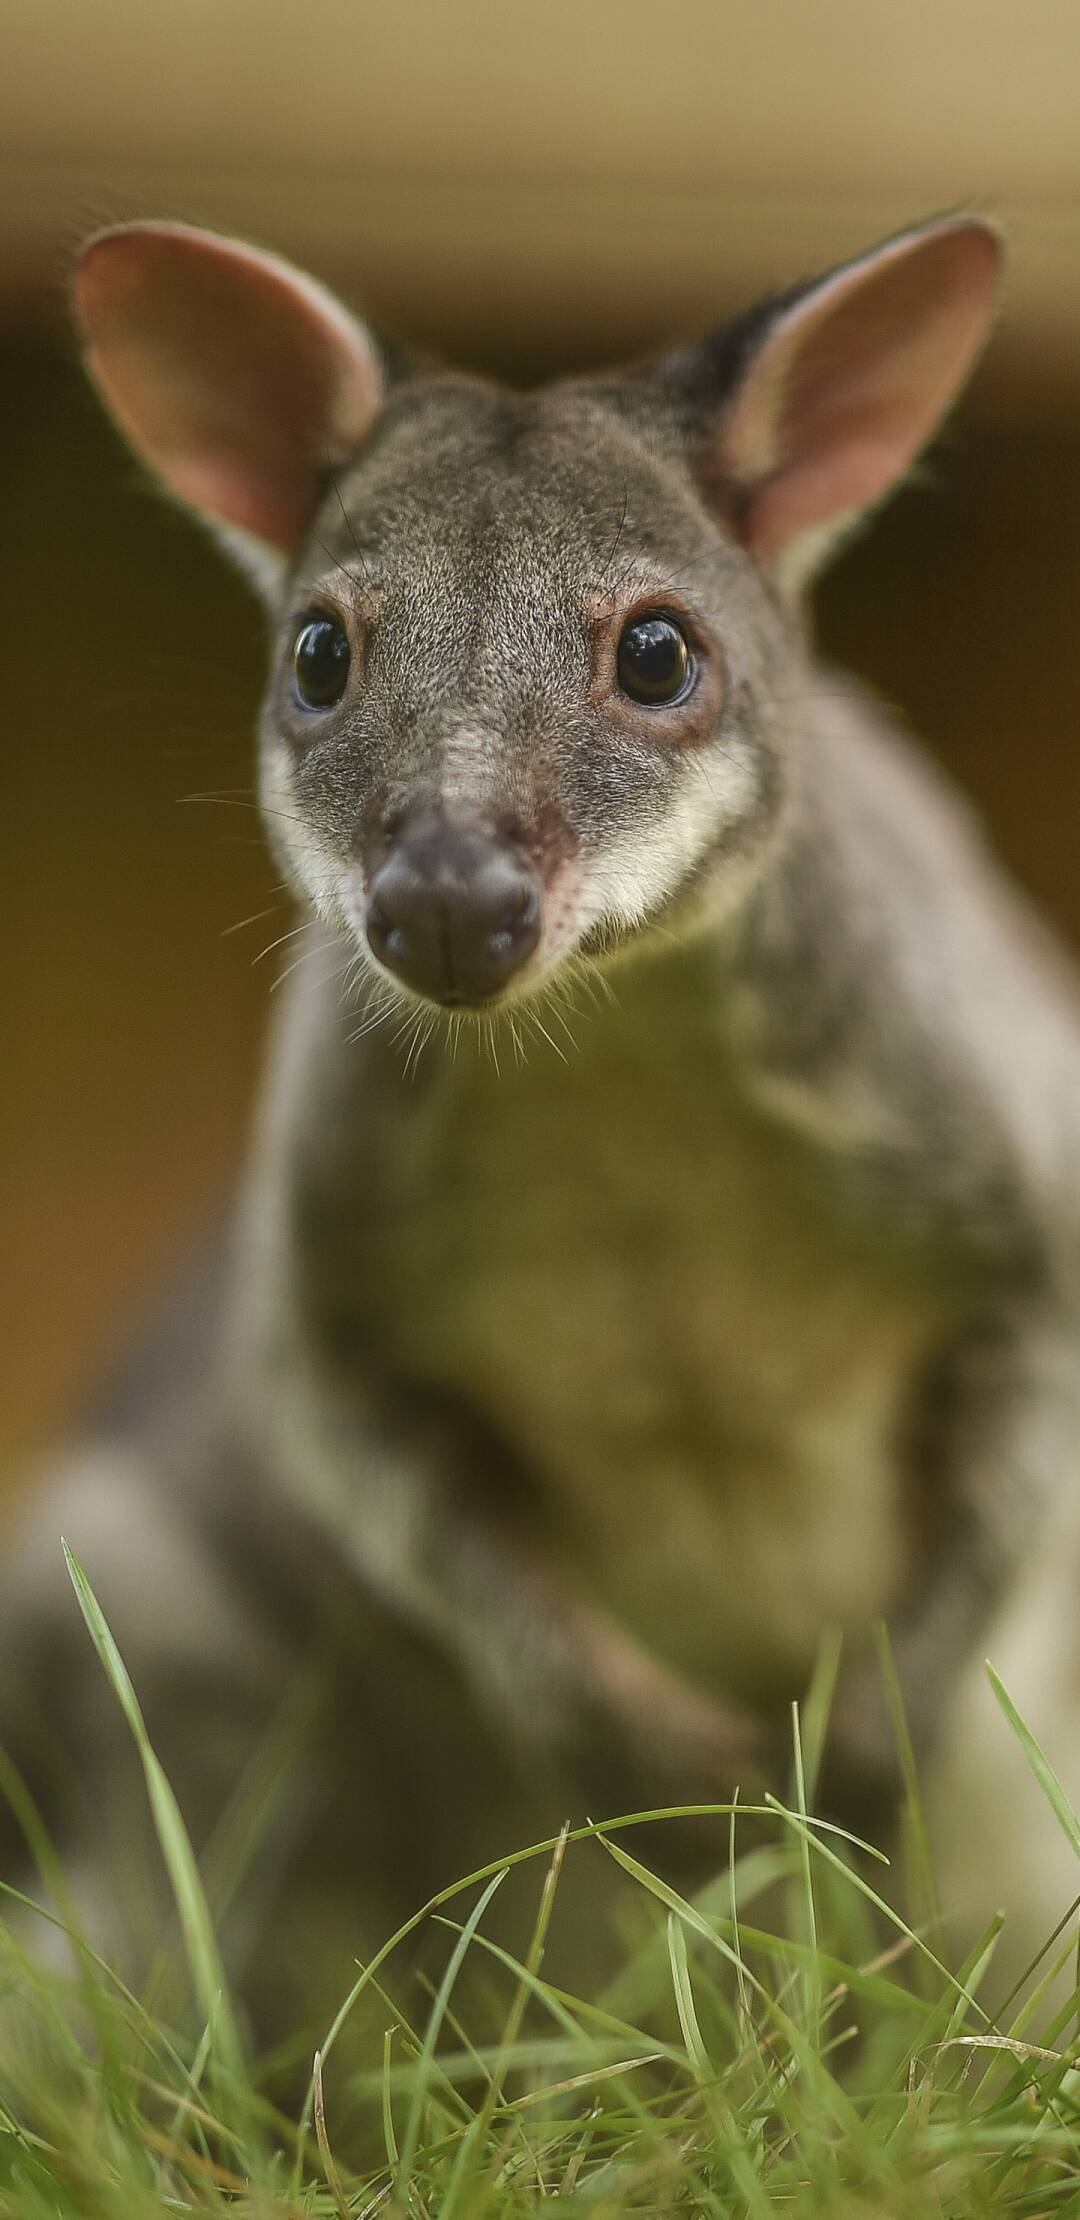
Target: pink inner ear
{"points": [[855, 378], [237, 379]]}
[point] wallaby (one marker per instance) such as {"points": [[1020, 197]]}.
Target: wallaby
{"points": [[662, 1238]]}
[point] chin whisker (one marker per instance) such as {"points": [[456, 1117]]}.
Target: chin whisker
{"points": [[307, 956], [258, 917], [293, 934], [537, 1023], [594, 982], [544, 1015], [421, 1034], [381, 1003], [559, 1001]]}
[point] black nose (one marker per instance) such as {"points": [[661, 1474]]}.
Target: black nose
{"points": [[454, 913]]}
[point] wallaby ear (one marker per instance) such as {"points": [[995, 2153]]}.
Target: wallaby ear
{"points": [[847, 383], [238, 379]]}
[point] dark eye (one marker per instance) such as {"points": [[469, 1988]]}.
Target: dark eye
{"points": [[321, 661], [655, 665]]}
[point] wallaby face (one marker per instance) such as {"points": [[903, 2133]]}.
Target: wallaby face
{"points": [[531, 652], [549, 676]]}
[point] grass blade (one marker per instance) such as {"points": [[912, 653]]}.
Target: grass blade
{"points": [[1039, 1763], [684, 2001], [200, 1942], [425, 2064]]}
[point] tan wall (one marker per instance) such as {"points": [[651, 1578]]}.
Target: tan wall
{"points": [[539, 177]]}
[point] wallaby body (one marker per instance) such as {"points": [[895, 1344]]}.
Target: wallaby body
{"points": [[573, 1372]]}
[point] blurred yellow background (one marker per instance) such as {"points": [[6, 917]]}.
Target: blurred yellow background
{"points": [[523, 187]]}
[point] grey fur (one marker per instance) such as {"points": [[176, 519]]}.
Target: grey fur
{"points": [[723, 1290]]}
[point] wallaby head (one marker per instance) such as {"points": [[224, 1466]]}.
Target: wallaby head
{"points": [[531, 651]]}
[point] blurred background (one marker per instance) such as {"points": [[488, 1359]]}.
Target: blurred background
{"points": [[524, 188]]}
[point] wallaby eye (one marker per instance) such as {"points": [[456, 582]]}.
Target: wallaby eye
{"points": [[321, 661], [654, 662]]}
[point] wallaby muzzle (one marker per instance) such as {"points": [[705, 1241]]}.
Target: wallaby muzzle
{"points": [[453, 911]]}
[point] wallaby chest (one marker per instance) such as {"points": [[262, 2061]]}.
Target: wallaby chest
{"points": [[642, 1288]]}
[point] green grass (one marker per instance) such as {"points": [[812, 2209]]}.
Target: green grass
{"points": [[825, 2063]]}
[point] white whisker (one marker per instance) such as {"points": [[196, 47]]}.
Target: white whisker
{"points": [[294, 934]]}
